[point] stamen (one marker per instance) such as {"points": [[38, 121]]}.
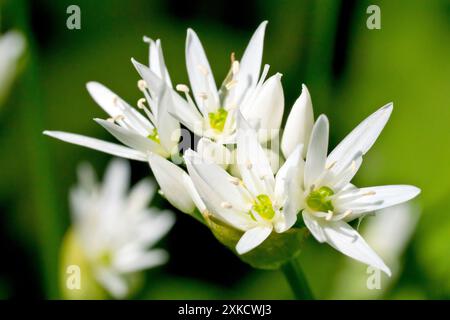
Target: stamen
{"points": [[226, 205], [234, 181], [331, 165], [141, 103], [115, 100], [370, 193], [235, 67], [182, 88], [346, 213], [231, 84], [232, 57], [142, 85]]}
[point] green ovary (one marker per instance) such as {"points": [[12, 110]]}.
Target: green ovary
{"points": [[263, 206], [318, 200], [217, 119], [154, 135], [105, 258]]}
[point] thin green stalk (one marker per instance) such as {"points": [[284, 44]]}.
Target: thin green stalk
{"points": [[297, 280]]}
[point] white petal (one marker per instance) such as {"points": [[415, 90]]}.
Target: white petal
{"points": [[347, 240], [253, 163], [314, 226], [288, 188], [360, 139], [374, 198], [116, 179], [222, 198], [168, 128], [131, 139], [140, 196], [194, 194], [154, 227], [96, 144], [252, 238], [186, 114], [156, 61], [137, 261], [317, 151], [214, 152], [267, 108], [199, 71], [250, 63], [170, 178], [155, 84], [113, 283], [299, 124], [115, 106]]}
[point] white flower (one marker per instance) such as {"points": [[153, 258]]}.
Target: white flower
{"points": [[257, 204], [114, 227], [212, 112], [331, 201], [12, 45], [156, 132]]}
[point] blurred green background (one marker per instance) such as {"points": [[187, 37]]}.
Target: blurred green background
{"points": [[349, 70]]}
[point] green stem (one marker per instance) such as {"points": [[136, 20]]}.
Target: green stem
{"points": [[297, 280]]}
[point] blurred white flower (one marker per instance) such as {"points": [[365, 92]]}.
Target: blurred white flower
{"points": [[257, 204], [12, 45], [330, 200], [212, 112], [115, 228], [156, 132]]}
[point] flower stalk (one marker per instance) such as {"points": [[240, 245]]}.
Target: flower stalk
{"points": [[297, 280]]}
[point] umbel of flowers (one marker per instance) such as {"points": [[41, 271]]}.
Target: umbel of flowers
{"points": [[260, 202]]}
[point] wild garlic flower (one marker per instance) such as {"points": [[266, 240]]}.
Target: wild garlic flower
{"points": [[331, 201], [114, 228], [212, 112], [257, 204], [153, 131]]}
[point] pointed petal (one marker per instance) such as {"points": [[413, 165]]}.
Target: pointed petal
{"points": [[140, 196], [116, 180], [299, 124], [199, 71], [317, 151], [170, 178], [132, 139], [347, 240], [137, 261], [214, 152], [250, 63], [360, 139], [252, 238], [267, 108], [374, 198], [100, 145], [156, 60], [154, 227], [219, 179], [113, 282], [168, 127], [223, 199], [314, 227], [253, 163]]}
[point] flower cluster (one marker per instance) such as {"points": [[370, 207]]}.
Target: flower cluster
{"points": [[232, 178]]}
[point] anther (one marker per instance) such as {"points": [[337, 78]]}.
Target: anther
{"points": [[248, 164], [182, 88], [142, 85], [231, 84], [235, 67], [234, 181], [370, 193], [146, 39], [141, 103], [329, 215]]}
